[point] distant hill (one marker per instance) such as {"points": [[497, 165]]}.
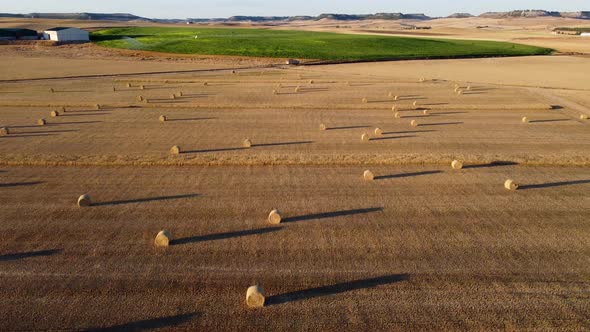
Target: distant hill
{"points": [[537, 13], [336, 17]]}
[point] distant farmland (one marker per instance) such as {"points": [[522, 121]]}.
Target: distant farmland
{"points": [[301, 44]]}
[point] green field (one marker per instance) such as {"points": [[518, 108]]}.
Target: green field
{"points": [[301, 44]]}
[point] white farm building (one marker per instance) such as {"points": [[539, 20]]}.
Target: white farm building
{"points": [[585, 34], [66, 34]]}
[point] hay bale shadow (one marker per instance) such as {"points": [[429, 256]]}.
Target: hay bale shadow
{"points": [[145, 200], [149, 324], [339, 288], [406, 175], [30, 254], [20, 184], [553, 184], [334, 214], [223, 236]]}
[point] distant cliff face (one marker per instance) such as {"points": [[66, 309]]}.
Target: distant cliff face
{"points": [[536, 13]]}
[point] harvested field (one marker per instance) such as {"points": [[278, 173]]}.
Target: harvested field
{"points": [[422, 246]]}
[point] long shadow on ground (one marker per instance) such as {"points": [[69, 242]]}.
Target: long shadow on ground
{"points": [[20, 184], [406, 175], [439, 124], [492, 164], [553, 184], [335, 289], [393, 137], [149, 324], [30, 254], [222, 236], [348, 127], [333, 214], [145, 200]]}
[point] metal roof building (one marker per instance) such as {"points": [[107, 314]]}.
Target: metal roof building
{"points": [[18, 34], [66, 34]]}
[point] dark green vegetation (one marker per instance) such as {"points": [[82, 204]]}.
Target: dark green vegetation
{"points": [[578, 30], [301, 44]]}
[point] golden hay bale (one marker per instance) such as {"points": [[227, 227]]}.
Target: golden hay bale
{"points": [[54, 114], [422, 80], [280, 85], [583, 117], [425, 112], [510, 185], [311, 81], [172, 96], [128, 85], [180, 94], [63, 109], [468, 87], [414, 123], [365, 137], [459, 92], [396, 98], [365, 100], [4, 131], [378, 132], [274, 217], [456, 164], [323, 127], [255, 297], [456, 89], [175, 150], [297, 89], [368, 176], [394, 108], [415, 103], [163, 118], [84, 200], [41, 122], [97, 106], [275, 92], [140, 98], [142, 87], [525, 120], [247, 143], [163, 239], [397, 115]]}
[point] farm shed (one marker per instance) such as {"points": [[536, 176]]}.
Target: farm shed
{"points": [[18, 34], [66, 34], [585, 34]]}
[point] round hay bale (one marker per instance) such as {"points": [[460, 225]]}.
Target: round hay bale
{"points": [[390, 94], [456, 164], [311, 82], [469, 88], [128, 85], [97, 107], [275, 92], [368, 176], [510, 185], [323, 127], [180, 94], [246, 143], [142, 87], [51, 90], [84, 200], [426, 112], [397, 115], [583, 117], [54, 114], [298, 89], [525, 120], [41, 122], [414, 123], [255, 297], [396, 98], [378, 132], [415, 103], [4, 131], [63, 109], [140, 98], [274, 217], [365, 100], [456, 89], [364, 137], [460, 92], [280, 85], [175, 150], [163, 239], [163, 118], [394, 108], [422, 80], [173, 96]]}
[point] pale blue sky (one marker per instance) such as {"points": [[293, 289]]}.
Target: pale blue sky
{"points": [[226, 8]]}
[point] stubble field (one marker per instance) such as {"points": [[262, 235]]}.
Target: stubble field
{"points": [[421, 247]]}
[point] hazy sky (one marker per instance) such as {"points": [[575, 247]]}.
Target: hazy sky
{"points": [[226, 8]]}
